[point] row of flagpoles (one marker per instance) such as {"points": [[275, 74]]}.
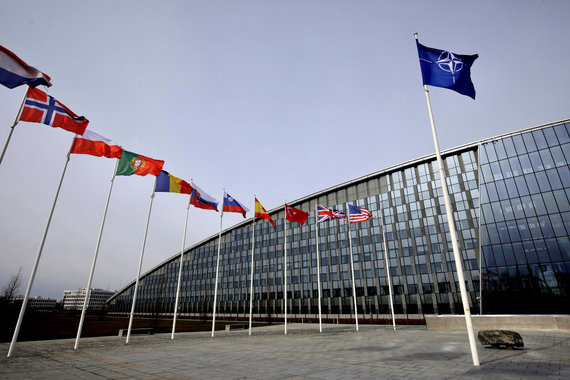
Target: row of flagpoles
{"points": [[439, 68]]}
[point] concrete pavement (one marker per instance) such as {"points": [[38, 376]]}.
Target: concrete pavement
{"points": [[375, 352]]}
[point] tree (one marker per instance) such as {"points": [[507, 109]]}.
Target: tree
{"points": [[11, 289]]}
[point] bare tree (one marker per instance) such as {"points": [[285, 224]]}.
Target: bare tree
{"points": [[11, 289]]}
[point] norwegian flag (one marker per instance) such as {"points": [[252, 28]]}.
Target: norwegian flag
{"points": [[358, 214], [325, 214], [39, 107]]}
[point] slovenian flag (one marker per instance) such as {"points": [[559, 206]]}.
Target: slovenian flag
{"points": [[14, 72], [200, 199], [232, 205], [95, 145]]}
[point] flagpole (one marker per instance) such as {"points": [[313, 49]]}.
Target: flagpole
{"points": [[318, 267], [13, 126], [180, 269], [88, 288], [140, 265], [388, 273], [452, 233], [352, 268], [285, 265], [217, 269], [36, 262], [251, 275]]}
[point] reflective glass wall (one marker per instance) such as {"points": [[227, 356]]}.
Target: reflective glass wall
{"points": [[525, 224], [524, 184]]}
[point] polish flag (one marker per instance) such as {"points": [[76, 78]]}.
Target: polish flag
{"points": [[95, 145]]}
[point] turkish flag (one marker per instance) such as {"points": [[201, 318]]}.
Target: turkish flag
{"points": [[296, 215]]}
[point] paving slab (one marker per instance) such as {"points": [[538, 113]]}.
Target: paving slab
{"points": [[339, 352]]}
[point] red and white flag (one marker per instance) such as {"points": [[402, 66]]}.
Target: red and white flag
{"points": [[295, 215], [39, 107], [95, 145]]}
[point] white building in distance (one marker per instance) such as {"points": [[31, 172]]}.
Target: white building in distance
{"points": [[74, 299]]}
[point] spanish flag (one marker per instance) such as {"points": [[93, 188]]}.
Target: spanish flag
{"points": [[261, 213]]}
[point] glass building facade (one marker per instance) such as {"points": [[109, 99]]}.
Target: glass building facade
{"points": [[510, 196]]}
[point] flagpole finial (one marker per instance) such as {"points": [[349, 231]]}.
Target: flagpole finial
{"points": [[416, 35]]}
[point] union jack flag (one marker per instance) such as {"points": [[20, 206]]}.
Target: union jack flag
{"points": [[358, 214], [329, 214]]}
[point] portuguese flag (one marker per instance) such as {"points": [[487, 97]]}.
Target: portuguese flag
{"points": [[132, 163]]}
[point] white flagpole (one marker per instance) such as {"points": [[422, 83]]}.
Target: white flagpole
{"points": [[180, 270], [285, 265], [252, 270], [453, 234], [217, 268], [388, 272], [140, 265], [318, 267], [88, 288], [13, 126], [352, 267], [38, 256]]}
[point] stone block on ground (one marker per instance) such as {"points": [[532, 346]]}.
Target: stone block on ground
{"points": [[498, 338]]}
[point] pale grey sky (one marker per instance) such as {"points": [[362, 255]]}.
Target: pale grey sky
{"points": [[275, 98]]}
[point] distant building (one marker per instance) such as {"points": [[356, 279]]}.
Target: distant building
{"points": [[42, 303], [74, 299]]}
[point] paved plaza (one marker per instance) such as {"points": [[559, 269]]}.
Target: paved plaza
{"points": [[339, 352]]}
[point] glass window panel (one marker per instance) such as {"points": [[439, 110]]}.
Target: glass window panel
{"points": [[519, 144], [509, 147], [496, 170], [553, 178], [555, 204], [550, 136], [511, 188], [566, 151], [502, 190], [532, 184], [491, 190], [529, 142], [487, 174], [500, 150], [562, 200], [521, 186], [543, 183], [525, 164], [564, 173], [561, 133], [506, 169], [536, 161], [497, 211], [546, 158], [546, 227], [491, 155], [539, 139], [513, 231], [538, 203], [558, 156]]}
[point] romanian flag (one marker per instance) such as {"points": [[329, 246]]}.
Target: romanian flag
{"points": [[166, 182], [261, 213]]}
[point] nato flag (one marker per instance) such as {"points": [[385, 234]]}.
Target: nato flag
{"points": [[442, 68]]}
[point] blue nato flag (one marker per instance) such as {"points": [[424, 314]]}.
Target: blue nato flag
{"points": [[442, 68]]}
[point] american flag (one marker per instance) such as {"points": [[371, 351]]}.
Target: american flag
{"points": [[329, 214], [358, 214]]}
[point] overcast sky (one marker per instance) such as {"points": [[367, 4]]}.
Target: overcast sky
{"points": [[275, 98]]}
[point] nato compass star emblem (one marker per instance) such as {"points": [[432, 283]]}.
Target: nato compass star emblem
{"points": [[449, 62]]}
